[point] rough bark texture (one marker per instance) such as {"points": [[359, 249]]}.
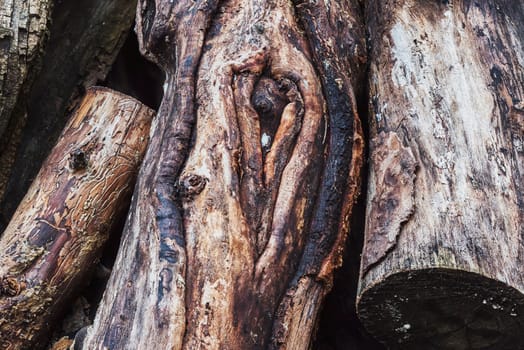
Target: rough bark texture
{"points": [[23, 29], [85, 37], [242, 205], [442, 262], [57, 233]]}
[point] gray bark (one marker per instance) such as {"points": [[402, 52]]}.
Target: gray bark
{"points": [[23, 30], [443, 254]]}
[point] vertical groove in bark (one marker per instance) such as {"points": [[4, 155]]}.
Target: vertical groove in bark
{"points": [[148, 311], [336, 36], [235, 227], [85, 37], [447, 82], [23, 30], [58, 231]]}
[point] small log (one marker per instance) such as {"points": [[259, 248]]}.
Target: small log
{"points": [[57, 232], [85, 37], [242, 205], [443, 254]]}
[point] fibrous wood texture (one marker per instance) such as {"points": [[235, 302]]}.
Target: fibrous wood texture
{"points": [[57, 233], [443, 254], [23, 25], [242, 204], [84, 39], [23, 29]]}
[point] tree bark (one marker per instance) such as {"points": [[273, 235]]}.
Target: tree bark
{"points": [[441, 266], [23, 30], [243, 200], [85, 37], [57, 233]]}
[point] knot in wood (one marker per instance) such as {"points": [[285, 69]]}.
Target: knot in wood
{"points": [[78, 160], [10, 286], [269, 98], [192, 185]]}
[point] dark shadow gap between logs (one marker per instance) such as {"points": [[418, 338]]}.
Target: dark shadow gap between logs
{"points": [[339, 327]]}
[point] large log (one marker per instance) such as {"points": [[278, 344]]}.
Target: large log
{"points": [[57, 232], [84, 39], [242, 204], [443, 255]]}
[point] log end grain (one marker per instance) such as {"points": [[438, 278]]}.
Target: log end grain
{"points": [[443, 309]]}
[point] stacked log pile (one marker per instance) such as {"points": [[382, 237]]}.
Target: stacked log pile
{"points": [[248, 175]]}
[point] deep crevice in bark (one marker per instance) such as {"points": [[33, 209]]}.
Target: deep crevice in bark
{"points": [[339, 327]]}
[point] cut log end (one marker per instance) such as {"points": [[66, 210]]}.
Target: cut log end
{"points": [[443, 309]]}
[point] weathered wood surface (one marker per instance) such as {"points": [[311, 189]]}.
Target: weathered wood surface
{"points": [[57, 232], [84, 38], [23, 31], [243, 200], [443, 255]]}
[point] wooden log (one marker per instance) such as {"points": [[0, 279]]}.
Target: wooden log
{"points": [[243, 200], [57, 232], [23, 32], [443, 254], [84, 39]]}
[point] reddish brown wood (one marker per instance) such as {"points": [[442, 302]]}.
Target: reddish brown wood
{"points": [[57, 233], [244, 197], [443, 254]]}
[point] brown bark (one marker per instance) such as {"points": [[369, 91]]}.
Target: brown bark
{"points": [[243, 200], [441, 266], [23, 30], [84, 39], [57, 233]]}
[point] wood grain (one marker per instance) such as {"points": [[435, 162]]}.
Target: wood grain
{"points": [[244, 197], [442, 261], [56, 235]]}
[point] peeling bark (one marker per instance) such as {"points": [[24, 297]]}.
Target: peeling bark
{"points": [[56, 235], [447, 79], [390, 188], [243, 200], [84, 38]]}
